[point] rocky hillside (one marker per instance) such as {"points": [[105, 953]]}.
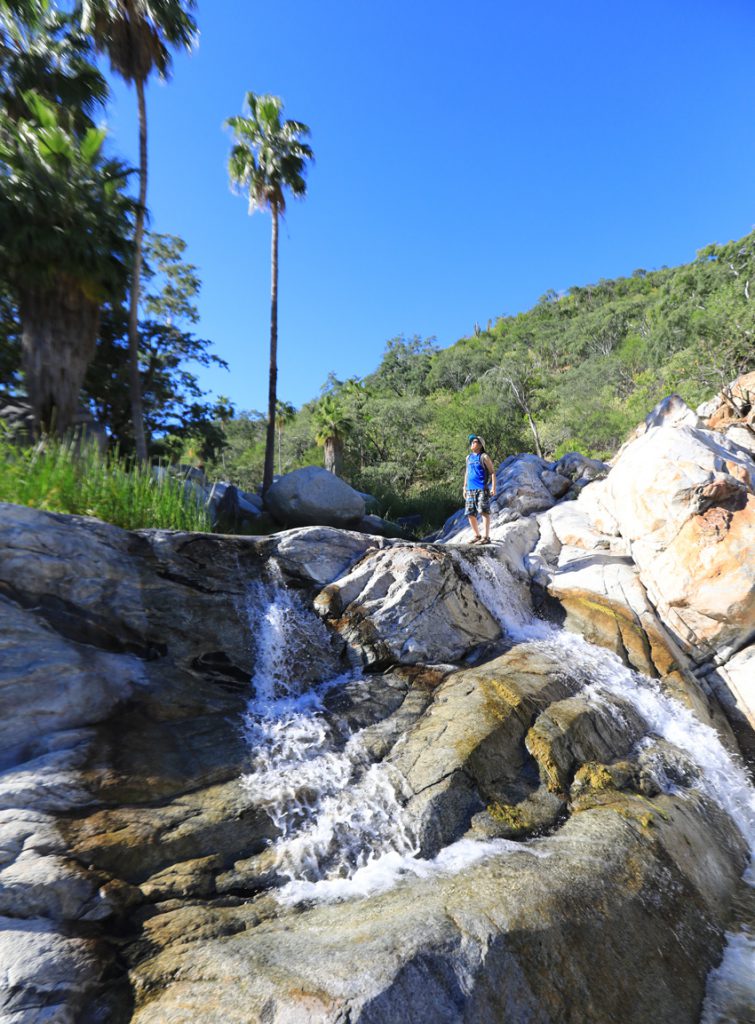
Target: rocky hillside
{"points": [[331, 777]]}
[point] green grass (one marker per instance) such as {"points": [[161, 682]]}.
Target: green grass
{"points": [[60, 476], [434, 504]]}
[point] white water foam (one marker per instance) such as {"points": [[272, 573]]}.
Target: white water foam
{"points": [[343, 830], [383, 872], [730, 992], [334, 809], [602, 672], [343, 833], [720, 776], [507, 599]]}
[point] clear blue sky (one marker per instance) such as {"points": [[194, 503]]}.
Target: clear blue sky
{"points": [[468, 158]]}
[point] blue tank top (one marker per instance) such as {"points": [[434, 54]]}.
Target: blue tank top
{"points": [[475, 472]]}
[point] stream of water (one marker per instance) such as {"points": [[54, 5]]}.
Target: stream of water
{"points": [[343, 831]]}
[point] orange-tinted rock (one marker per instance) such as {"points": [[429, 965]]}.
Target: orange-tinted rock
{"points": [[722, 418], [706, 576], [743, 389]]}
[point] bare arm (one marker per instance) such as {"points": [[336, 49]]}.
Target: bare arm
{"points": [[491, 467]]}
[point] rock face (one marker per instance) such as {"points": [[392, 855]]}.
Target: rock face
{"points": [[314, 497], [408, 605], [527, 485], [497, 945], [657, 561], [125, 674], [435, 808], [234, 511], [691, 528]]}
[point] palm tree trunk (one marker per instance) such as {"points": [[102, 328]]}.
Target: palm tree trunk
{"points": [[333, 455], [338, 456], [267, 476], [137, 409], [59, 333]]}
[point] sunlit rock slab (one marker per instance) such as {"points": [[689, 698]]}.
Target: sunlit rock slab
{"points": [[575, 920], [408, 604]]}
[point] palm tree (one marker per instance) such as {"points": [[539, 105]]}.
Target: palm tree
{"points": [[332, 423], [285, 413], [44, 50], [268, 158], [65, 228], [137, 36]]}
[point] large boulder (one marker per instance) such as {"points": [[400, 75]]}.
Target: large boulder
{"points": [[732, 412], [524, 932], [126, 665], [736, 401], [691, 525], [657, 562], [671, 411], [233, 511], [313, 497], [467, 750], [408, 604], [520, 487], [591, 586], [734, 685]]}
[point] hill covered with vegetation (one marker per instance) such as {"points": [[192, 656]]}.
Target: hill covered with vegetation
{"points": [[574, 373]]}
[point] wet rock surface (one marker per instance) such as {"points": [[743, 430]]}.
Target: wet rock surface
{"points": [[142, 878], [530, 935], [408, 604]]}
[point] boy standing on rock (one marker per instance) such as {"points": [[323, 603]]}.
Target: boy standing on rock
{"points": [[479, 487]]}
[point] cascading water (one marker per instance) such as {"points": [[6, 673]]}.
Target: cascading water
{"points": [[342, 829], [340, 817], [730, 997], [334, 809]]}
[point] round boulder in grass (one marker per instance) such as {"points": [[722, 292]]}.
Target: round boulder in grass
{"points": [[314, 497]]}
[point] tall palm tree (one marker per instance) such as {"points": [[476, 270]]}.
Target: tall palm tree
{"points": [[332, 423], [44, 50], [65, 229], [269, 157], [137, 36]]}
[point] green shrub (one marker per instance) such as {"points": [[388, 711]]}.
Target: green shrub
{"points": [[61, 476], [433, 503]]}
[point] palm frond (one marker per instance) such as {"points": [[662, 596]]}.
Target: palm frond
{"points": [[138, 35], [268, 157]]}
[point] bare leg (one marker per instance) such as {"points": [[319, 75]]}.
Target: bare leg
{"points": [[486, 523], [473, 524]]}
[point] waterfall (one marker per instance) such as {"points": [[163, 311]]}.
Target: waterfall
{"points": [[336, 812], [340, 817], [342, 828], [730, 996], [601, 673]]}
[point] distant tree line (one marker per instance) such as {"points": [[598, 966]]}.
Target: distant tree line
{"points": [[76, 323], [575, 373]]}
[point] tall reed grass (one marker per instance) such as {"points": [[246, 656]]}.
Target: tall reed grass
{"points": [[66, 476], [434, 504]]}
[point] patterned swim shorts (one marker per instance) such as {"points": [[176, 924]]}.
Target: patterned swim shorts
{"points": [[477, 503]]}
